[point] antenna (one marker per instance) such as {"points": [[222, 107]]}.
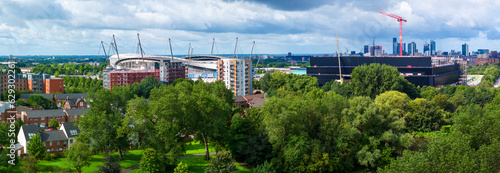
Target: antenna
{"points": [[171, 53], [213, 42], [338, 56], [235, 45], [116, 47]]}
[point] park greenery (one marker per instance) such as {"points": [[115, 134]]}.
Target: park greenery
{"points": [[37, 101], [373, 124], [81, 84], [69, 69]]}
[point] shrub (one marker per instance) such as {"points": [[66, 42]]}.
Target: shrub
{"points": [[181, 168], [222, 163]]}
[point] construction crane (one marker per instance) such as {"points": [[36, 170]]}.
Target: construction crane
{"points": [[400, 20]]}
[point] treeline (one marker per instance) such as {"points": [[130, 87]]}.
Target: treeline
{"points": [[81, 84], [491, 74], [69, 69], [369, 125], [479, 69]]}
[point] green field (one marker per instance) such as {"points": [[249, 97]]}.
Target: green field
{"points": [[196, 164]]}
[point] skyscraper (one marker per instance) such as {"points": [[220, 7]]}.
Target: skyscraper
{"points": [[465, 49], [427, 49], [366, 49], [395, 48], [412, 48], [404, 49], [433, 47]]}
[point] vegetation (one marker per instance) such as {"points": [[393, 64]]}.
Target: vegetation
{"points": [[35, 147], [54, 123], [37, 101], [111, 165], [79, 156], [222, 163], [81, 84], [29, 164], [69, 69]]}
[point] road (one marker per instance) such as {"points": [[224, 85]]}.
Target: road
{"points": [[475, 79]]}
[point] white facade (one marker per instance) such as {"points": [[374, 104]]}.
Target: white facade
{"points": [[236, 75]]}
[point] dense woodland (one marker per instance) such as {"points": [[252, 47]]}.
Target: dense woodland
{"points": [[378, 122], [69, 69]]}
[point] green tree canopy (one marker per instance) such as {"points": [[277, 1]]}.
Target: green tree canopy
{"points": [[35, 146], [79, 156], [374, 79]]}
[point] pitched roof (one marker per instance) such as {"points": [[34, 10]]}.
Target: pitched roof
{"points": [[239, 99], [19, 109], [27, 129], [26, 96], [71, 96], [78, 111], [251, 97], [68, 126], [45, 113], [257, 102], [55, 135], [73, 102]]}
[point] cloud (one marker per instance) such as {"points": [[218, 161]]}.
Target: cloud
{"points": [[67, 26]]}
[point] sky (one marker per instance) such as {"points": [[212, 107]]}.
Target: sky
{"points": [[77, 27]]}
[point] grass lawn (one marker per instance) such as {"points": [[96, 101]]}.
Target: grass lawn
{"points": [[197, 148], [196, 164]]}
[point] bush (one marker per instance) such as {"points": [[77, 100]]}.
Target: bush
{"points": [[266, 167], [181, 168], [49, 156], [222, 163]]}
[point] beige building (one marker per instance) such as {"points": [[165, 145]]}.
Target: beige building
{"points": [[236, 75]]}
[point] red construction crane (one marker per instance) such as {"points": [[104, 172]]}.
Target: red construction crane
{"points": [[400, 20]]}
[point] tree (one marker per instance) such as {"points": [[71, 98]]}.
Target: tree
{"points": [[423, 115], [100, 125], [35, 146], [150, 161], [222, 163], [374, 79], [110, 165], [29, 164], [54, 123], [40, 101], [147, 84], [156, 122], [206, 112], [79, 156], [247, 143]]}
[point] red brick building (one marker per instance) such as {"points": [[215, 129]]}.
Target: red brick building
{"points": [[53, 85], [42, 118], [19, 82], [71, 101], [54, 140], [119, 78]]}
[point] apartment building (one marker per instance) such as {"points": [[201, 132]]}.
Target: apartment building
{"points": [[236, 75]]}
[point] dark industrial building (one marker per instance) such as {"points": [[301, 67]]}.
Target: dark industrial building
{"points": [[417, 70]]}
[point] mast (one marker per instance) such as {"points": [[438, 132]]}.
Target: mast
{"points": [[235, 45], [171, 53], [213, 42], [251, 52], [140, 47], [338, 56], [189, 49], [104, 49], [116, 47]]}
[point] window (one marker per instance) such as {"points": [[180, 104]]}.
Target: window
{"points": [[50, 143], [42, 124], [76, 116], [81, 103], [58, 143], [48, 150], [70, 141], [30, 135], [43, 118], [73, 132], [64, 142], [60, 149]]}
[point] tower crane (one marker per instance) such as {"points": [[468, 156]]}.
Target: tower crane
{"points": [[400, 20]]}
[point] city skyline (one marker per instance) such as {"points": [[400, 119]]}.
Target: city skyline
{"points": [[70, 27]]}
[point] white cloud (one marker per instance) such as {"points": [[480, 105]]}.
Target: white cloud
{"points": [[77, 26]]}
